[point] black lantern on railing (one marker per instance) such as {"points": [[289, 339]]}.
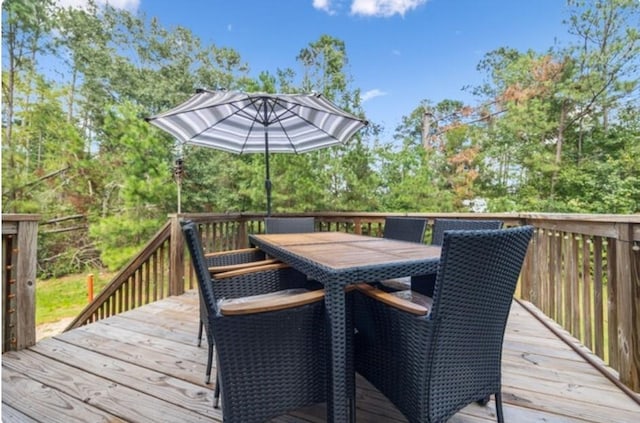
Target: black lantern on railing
{"points": [[178, 170], [178, 174]]}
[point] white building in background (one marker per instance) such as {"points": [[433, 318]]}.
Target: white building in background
{"points": [[476, 205]]}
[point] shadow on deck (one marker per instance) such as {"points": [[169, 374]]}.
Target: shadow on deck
{"points": [[144, 366]]}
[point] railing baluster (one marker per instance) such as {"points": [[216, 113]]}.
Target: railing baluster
{"points": [[587, 289], [612, 304], [574, 289], [598, 298]]}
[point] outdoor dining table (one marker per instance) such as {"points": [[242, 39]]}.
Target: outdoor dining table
{"points": [[338, 259]]}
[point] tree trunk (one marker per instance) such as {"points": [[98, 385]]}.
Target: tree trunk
{"points": [[559, 141], [427, 118]]}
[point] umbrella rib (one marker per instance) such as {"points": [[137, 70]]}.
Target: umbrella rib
{"points": [[290, 109], [239, 110], [254, 118]]}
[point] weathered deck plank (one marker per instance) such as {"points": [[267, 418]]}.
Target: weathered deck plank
{"points": [[144, 366], [46, 403]]}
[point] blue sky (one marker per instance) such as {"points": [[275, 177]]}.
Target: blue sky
{"points": [[400, 51]]}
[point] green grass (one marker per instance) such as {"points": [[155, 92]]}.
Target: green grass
{"points": [[58, 298]]}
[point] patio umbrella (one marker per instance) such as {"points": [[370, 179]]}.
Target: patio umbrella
{"points": [[241, 122]]}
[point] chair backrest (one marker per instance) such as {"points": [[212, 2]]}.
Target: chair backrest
{"points": [[405, 228], [288, 225], [474, 288], [442, 225], [192, 239]]}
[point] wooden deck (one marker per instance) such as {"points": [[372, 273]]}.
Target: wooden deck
{"points": [[144, 366]]}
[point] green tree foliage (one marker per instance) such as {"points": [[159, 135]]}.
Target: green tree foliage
{"points": [[555, 114], [411, 174], [343, 174]]}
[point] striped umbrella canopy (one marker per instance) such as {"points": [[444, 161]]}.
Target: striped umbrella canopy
{"points": [[240, 122]]}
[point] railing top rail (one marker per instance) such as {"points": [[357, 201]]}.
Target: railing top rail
{"points": [[19, 217], [605, 218], [594, 218]]}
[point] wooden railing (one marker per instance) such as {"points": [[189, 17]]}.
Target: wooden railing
{"points": [[143, 280], [19, 244], [581, 270]]}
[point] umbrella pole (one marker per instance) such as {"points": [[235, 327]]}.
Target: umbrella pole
{"points": [[267, 181]]}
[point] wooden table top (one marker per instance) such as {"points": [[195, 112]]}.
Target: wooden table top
{"points": [[339, 250]]}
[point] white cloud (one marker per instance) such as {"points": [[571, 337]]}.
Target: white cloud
{"points": [[117, 4], [383, 8], [324, 5], [368, 95], [229, 28]]}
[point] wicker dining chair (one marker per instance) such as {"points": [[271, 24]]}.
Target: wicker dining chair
{"points": [[425, 284], [241, 273], [272, 349], [433, 359], [442, 225], [409, 229], [226, 261], [246, 282], [288, 225]]}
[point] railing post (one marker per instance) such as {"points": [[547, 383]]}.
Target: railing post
{"points": [[243, 236], [26, 284], [176, 257], [357, 226], [628, 308], [528, 274], [19, 280]]}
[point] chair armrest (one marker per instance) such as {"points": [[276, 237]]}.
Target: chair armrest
{"points": [[247, 270], [398, 284], [392, 300], [280, 300], [239, 266], [223, 253]]}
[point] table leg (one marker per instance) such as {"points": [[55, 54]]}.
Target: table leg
{"points": [[338, 407]]}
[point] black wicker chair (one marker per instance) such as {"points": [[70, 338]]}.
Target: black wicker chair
{"points": [[442, 225], [431, 360], [424, 284], [271, 350], [405, 228], [288, 225], [246, 282], [226, 261]]}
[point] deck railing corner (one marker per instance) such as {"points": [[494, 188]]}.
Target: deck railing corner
{"points": [[19, 264]]}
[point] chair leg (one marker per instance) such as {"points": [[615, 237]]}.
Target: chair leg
{"points": [[484, 401], [216, 393], [352, 407], [200, 333], [207, 379], [499, 407]]}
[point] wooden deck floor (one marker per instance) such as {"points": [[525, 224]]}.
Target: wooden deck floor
{"points": [[144, 366]]}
